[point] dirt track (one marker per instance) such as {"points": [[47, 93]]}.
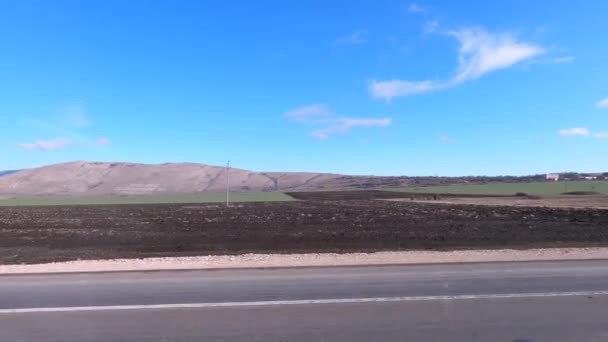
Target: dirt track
{"points": [[45, 234]]}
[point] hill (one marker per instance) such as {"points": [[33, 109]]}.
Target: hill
{"points": [[103, 179], [119, 179], [7, 172]]}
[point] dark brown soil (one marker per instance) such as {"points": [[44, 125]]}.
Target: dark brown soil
{"points": [[346, 195], [581, 193], [44, 234], [374, 194]]}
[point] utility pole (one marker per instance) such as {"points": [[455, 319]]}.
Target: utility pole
{"points": [[228, 184]]}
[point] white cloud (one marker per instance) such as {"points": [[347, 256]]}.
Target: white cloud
{"points": [[448, 139], [575, 131], [583, 132], [328, 124], [601, 135], [415, 8], [563, 60], [46, 145], [306, 113], [103, 141], [479, 53], [602, 103], [395, 88], [69, 123], [344, 124], [355, 38]]}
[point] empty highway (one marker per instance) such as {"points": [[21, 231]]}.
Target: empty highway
{"points": [[515, 302]]}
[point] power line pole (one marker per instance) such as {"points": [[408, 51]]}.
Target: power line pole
{"points": [[228, 184]]}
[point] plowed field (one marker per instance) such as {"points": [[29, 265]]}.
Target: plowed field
{"points": [[45, 234]]}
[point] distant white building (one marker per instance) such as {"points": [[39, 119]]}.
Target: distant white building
{"points": [[552, 177]]}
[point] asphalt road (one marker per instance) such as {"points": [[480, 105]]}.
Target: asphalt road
{"points": [[515, 302]]}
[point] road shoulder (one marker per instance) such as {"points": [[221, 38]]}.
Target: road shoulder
{"points": [[309, 260]]}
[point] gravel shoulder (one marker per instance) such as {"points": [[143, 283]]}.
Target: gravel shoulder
{"points": [[309, 260]]}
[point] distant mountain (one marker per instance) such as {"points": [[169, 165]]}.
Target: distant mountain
{"points": [[114, 179], [98, 179]]}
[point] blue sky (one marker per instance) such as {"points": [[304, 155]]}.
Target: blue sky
{"points": [[360, 87]]}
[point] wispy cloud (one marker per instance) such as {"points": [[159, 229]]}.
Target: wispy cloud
{"points": [[396, 88], [601, 135], [480, 52], [575, 131], [345, 124], [46, 145], [582, 132], [431, 26], [448, 139], [328, 123], [306, 113], [103, 141], [69, 123], [563, 59], [602, 103], [415, 8], [354, 38]]}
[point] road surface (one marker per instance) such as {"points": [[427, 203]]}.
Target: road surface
{"points": [[514, 302]]}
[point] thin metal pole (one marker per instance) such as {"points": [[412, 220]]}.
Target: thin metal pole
{"points": [[228, 184]]}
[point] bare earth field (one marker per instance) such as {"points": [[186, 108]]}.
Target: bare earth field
{"points": [[61, 233], [598, 202]]}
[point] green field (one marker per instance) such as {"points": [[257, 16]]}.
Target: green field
{"points": [[149, 199], [538, 188]]}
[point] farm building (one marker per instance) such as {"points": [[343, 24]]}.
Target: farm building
{"points": [[552, 177]]}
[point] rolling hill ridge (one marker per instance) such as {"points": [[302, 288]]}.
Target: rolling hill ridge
{"points": [[105, 179]]}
